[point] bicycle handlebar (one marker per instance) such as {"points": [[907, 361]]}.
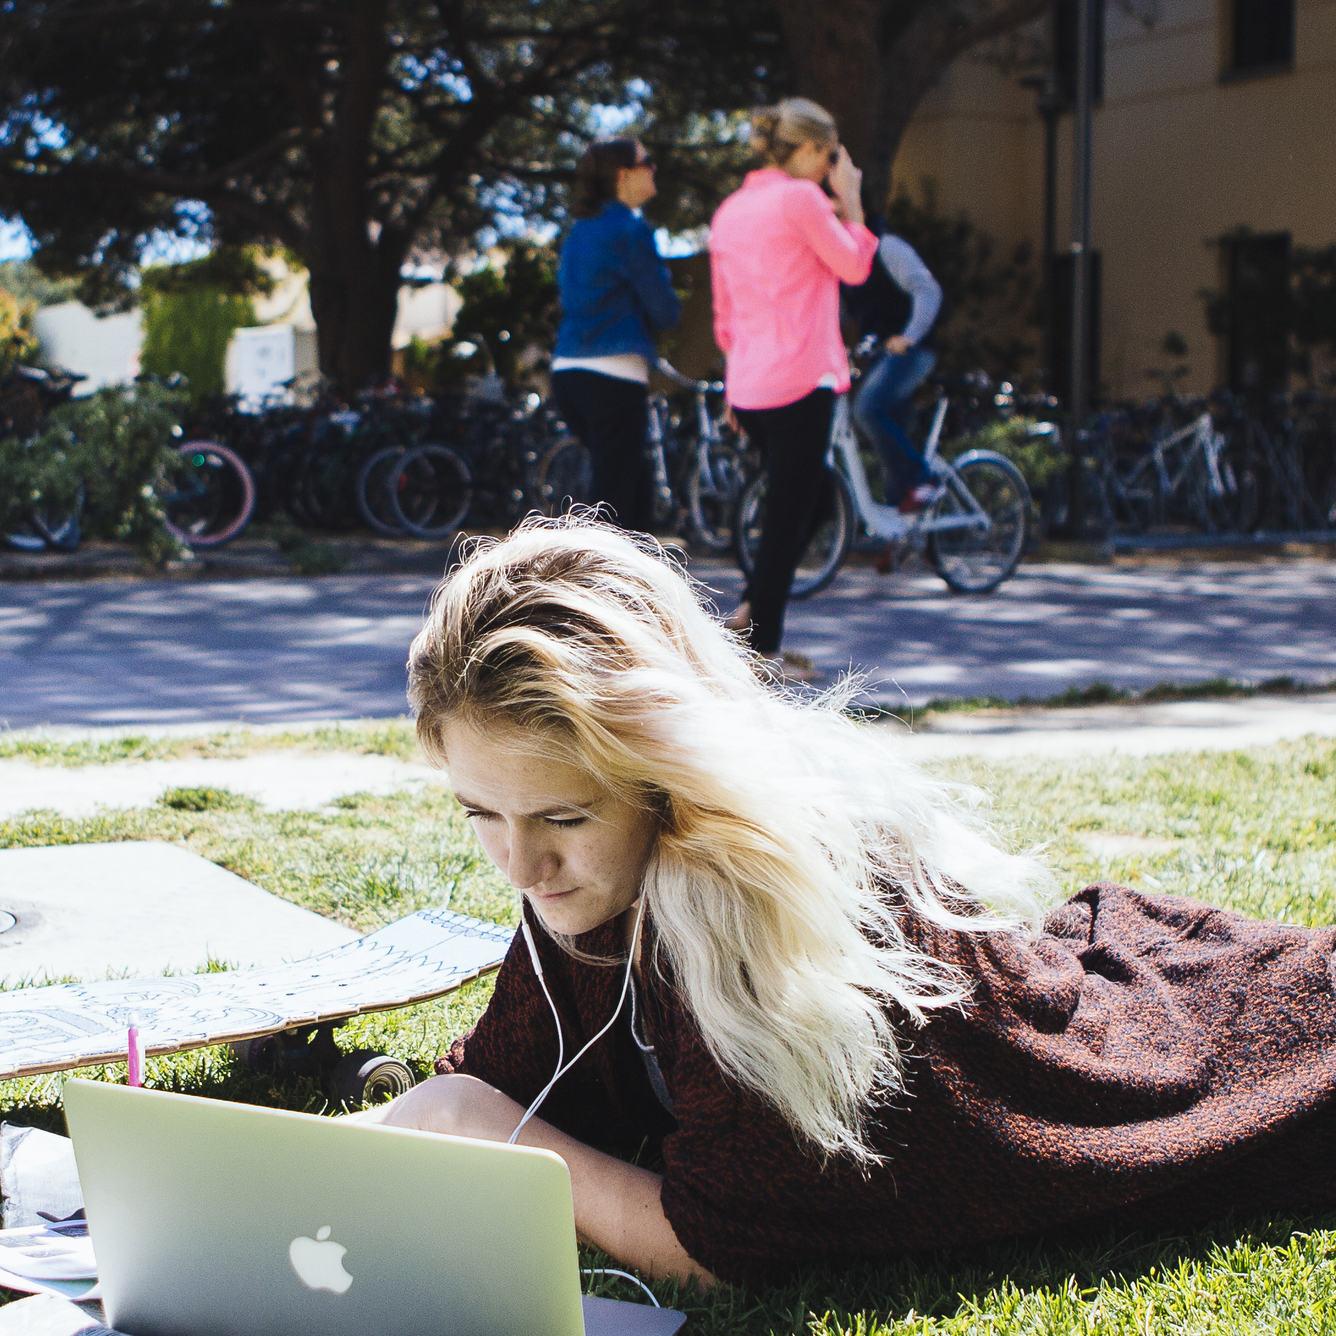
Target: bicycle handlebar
{"points": [[670, 373]]}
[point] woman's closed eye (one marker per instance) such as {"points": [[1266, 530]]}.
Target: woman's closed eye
{"points": [[561, 822]]}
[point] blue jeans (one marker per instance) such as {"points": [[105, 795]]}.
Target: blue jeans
{"points": [[881, 414]]}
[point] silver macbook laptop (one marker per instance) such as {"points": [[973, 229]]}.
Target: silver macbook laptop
{"points": [[217, 1219]]}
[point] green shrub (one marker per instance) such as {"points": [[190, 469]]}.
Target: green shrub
{"points": [[116, 445], [124, 444], [511, 302], [39, 472], [186, 333], [190, 312], [1035, 456]]}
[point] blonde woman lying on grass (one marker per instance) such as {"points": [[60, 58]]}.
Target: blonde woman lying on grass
{"points": [[807, 1009]]}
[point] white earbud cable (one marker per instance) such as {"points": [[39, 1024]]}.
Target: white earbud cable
{"points": [[621, 1002], [626, 1275]]}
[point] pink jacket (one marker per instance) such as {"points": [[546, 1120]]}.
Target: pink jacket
{"points": [[777, 257]]}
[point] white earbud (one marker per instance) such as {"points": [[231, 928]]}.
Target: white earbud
{"points": [[533, 949]]}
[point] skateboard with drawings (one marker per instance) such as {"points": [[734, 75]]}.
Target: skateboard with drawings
{"points": [[272, 1015]]}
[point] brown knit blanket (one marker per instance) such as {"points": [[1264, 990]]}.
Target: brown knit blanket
{"points": [[1147, 1058]]}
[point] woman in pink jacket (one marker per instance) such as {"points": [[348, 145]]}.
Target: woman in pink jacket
{"points": [[779, 249]]}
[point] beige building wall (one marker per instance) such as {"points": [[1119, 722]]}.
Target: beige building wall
{"points": [[1183, 154]]}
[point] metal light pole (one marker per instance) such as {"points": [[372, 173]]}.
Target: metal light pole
{"points": [[1049, 105], [1079, 407]]}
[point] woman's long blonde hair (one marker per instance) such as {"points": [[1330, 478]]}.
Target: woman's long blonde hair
{"points": [[793, 841]]}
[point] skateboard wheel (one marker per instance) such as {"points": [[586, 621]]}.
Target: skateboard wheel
{"points": [[364, 1077], [260, 1055]]}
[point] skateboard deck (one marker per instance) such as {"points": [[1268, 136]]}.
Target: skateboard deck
{"points": [[425, 955]]}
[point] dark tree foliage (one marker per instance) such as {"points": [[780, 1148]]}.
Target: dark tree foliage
{"points": [[358, 134], [510, 304], [989, 288]]}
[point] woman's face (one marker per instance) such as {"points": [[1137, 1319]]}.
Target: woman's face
{"points": [[574, 849], [813, 160], [635, 185]]}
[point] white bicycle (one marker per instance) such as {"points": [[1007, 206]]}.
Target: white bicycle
{"points": [[974, 533]]}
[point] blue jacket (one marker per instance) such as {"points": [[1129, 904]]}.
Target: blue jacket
{"points": [[615, 292]]}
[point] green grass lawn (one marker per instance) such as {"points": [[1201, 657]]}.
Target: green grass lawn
{"points": [[1254, 831]]}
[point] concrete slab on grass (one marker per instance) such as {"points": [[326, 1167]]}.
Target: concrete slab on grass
{"points": [[276, 779], [90, 911], [1151, 728]]}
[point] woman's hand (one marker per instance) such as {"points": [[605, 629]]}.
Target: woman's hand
{"points": [[617, 1205], [846, 183]]}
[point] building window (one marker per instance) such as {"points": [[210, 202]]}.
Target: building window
{"points": [[1065, 20], [1261, 36], [1256, 312]]}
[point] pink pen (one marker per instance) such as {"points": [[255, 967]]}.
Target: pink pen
{"points": [[134, 1067]]}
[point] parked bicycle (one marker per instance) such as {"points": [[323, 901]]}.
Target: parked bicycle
{"points": [[1182, 471], [695, 459], [974, 533]]}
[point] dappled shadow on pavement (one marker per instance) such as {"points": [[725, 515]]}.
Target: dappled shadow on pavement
{"points": [[167, 652], [277, 650], [1055, 627]]}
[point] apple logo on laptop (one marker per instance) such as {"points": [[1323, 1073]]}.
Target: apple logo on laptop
{"points": [[318, 1262]]}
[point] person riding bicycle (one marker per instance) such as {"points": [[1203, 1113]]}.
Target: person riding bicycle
{"points": [[897, 305]]}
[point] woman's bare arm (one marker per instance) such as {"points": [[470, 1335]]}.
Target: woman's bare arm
{"points": [[617, 1205]]}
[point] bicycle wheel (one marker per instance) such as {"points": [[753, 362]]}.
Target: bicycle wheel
{"points": [[826, 549], [712, 493], [1243, 472], [373, 497], [210, 496], [564, 476], [1213, 501], [978, 527], [430, 490], [61, 528], [24, 536]]}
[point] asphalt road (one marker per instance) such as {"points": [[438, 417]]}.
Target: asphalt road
{"points": [[285, 649]]}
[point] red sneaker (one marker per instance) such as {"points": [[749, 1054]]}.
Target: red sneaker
{"points": [[919, 498]]}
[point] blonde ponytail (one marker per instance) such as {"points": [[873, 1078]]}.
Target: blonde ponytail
{"points": [[776, 131]]}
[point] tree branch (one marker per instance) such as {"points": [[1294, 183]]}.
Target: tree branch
{"points": [[92, 176], [1001, 19]]}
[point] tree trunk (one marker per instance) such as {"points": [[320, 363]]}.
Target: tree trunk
{"points": [[354, 264], [837, 62], [354, 299], [870, 62]]}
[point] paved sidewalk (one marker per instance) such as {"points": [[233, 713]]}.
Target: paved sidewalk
{"points": [[290, 649]]}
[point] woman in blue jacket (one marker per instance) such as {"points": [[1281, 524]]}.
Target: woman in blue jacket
{"points": [[615, 297]]}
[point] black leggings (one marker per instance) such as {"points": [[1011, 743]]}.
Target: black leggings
{"points": [[793, 442], [610, 417]]}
